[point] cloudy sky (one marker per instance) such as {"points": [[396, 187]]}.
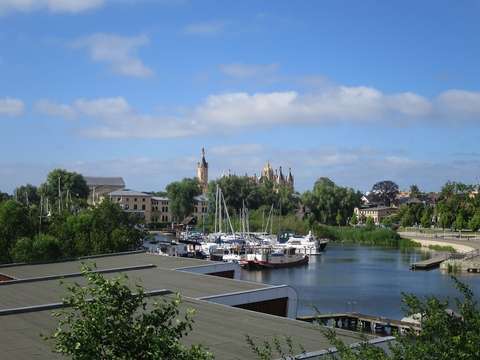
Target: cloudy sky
{"points": [[358, 91]]}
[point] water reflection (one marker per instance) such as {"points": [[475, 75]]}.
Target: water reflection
{"points": [[364, 279]]}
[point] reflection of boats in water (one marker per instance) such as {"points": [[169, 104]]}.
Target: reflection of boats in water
{"points": [[272, 258]]}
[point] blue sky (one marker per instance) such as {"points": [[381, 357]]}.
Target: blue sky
{"points": [[356, 91]]}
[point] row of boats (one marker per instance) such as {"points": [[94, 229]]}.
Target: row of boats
{"points": [[256, 250], [250, 250]]}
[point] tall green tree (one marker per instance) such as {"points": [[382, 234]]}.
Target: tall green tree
{"points": [[182, 197], [27, 195], [328, 202], [64, 189], [14, 224], [105, 320]]}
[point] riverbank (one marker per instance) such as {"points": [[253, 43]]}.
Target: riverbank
{"points": [[460, 245], [375, 236]]}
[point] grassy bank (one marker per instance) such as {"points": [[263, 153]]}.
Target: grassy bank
{"points": [[444, 248], [365, 236]]}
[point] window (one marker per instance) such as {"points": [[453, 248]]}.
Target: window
{"points": [[135, 207], [143, 207], [135, 200], [143, 199], [119, 199]]}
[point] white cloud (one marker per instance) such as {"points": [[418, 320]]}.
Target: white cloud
{"points": [[460, 103], [11, 107], [52, 109], [205, 28], [243, 71], [55, 6], [119, 52], [115, 117]]}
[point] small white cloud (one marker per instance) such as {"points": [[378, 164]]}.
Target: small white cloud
{"points": [[243, 71], [54, 6], [205, 28], [50, 108], [119, 52], [11, 107]]}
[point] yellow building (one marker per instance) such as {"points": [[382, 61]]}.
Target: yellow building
{"points": [[134, 202], [377, 213]]}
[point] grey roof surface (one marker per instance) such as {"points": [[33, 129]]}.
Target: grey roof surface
{"points": [[188, 284], [102, 262], [104, 181], [221, 328], [128, 193]]}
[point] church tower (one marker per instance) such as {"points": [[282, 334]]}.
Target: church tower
{"points": [[202, 173]]}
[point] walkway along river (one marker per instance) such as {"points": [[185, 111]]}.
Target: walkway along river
{"points": [[363, 279]]}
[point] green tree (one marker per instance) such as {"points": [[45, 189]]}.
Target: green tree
{"points": [[426, 219], [354, 219], [182, 197], [14, 224], [41, 248], [474, 223], [65, 189], [327, 200], [460, 222], [27, 195], [369, 223], [109, 322]]}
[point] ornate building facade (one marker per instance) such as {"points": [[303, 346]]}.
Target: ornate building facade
{"points": [[277, 176], [202, 173]]}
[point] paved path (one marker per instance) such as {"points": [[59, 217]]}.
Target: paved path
{"points": [[461, 245]]}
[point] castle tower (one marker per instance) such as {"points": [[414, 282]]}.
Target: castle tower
{"points": [[202, 173], [290, 181], [267, 172]]}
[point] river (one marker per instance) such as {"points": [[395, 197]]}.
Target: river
{"points": [[363, 279]]}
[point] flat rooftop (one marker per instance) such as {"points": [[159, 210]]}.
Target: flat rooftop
{"points": [[221, 328], [102, 262]]}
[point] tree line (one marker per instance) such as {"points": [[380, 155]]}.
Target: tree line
{"points": [[53, 222]]}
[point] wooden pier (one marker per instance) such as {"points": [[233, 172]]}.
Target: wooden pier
{"points": [[428, 264], [362, 323]]}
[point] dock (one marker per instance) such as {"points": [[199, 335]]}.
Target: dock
{"points": [[362, 322], [431, 263]]}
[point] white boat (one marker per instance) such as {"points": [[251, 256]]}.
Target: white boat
{"points": [[307, 244]]}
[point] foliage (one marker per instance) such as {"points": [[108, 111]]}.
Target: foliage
{"points": [[415, 192], [27, 194], [370, 223], [4, 197], [239, 190], [181, 195], [40, 248], [384, 192], [107, 321], [103, 229], [330, 204], [14, 224], [375, 236], [442, 248], [65, 188], [455, 206]]}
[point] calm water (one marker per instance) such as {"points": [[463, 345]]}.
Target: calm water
{"points": [[363, 279]]}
